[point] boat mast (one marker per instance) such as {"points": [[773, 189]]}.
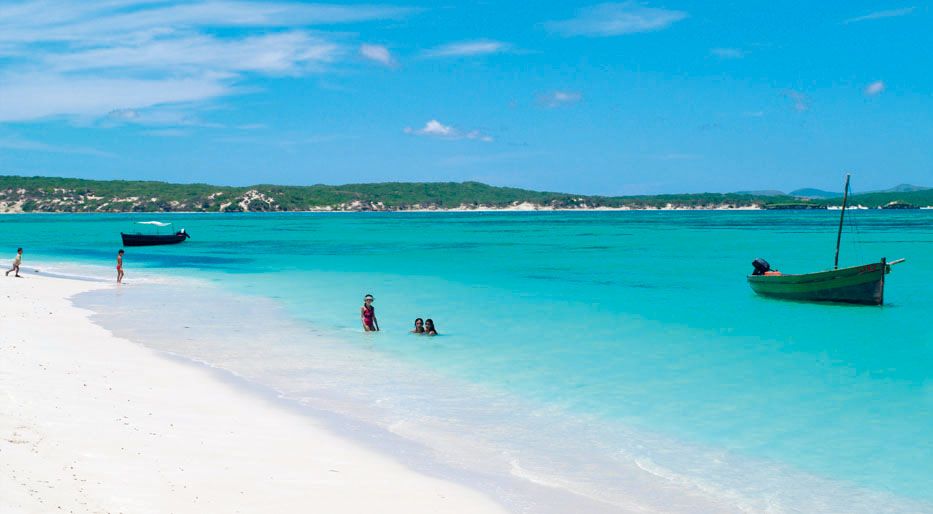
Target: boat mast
{"points": [[842, 215]]}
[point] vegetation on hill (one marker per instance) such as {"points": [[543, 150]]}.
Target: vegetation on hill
{"points": [[51, 194], [904, 188], [809, 192], [916, 198]]}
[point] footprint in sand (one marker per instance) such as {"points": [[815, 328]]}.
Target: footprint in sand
{"points": [[24, 434]]}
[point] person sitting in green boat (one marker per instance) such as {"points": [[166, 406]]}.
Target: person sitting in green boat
{"points": [[763, 268]]}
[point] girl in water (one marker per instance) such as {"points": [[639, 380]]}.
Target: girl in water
{"points": [[368, 315], [429, 329], [419, 326]]}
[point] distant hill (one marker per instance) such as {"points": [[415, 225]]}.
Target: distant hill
{"points": [[765, 192], [810, 192], [53, 194], [903, 188]]}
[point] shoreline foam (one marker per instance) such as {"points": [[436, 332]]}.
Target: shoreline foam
{"points": [[642, 471], [91, 422]]}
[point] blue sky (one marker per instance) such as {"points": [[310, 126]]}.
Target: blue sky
{"points": [[611, 98]]}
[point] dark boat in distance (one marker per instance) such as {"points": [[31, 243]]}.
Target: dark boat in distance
{"points": [[140, 239], [862, 284]]}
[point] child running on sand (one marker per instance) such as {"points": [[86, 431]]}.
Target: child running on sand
{"points": [[368, 315], [16, 262], [120, 266]]}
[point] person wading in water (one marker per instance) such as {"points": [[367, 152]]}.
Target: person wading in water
{"points": [[120, 266], [368, 315]]}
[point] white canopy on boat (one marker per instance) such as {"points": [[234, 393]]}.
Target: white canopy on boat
{"points": [[156, 223]]}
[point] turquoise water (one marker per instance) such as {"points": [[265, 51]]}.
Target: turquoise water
{"points": [[586, 351]]}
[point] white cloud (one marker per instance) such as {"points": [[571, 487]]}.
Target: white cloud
{"points": [[877, 15], [34, 97], [559, 98], [801, 103], [728, 53], [377, 53], [123, 115], [434, 128], [273, 54], [88, 59], [875, 88], [475, 134], [178, 114], [135, 20], [613, 19], [17, 143], [468, 48]]}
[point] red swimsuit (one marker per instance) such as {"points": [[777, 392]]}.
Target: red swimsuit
{"points": [[368, 315]]}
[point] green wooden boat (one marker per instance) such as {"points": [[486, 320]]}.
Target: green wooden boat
{"points": [[857, 284], [862, 284]]}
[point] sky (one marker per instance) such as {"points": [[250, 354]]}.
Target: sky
{"points": [[598, 98]]}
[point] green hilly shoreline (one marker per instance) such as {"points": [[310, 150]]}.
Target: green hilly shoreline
{"points": [[53, 194]]}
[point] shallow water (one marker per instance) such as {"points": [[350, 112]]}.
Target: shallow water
{"points": [[618, 355]]}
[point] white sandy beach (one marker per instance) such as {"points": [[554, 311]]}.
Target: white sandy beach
{"points": [[93, 423]]}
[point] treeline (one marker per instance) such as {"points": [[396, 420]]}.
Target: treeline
{"points": [[53, 194], [921, 198]]}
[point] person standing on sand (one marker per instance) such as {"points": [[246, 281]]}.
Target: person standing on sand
{"points": [[16, 262], [120, 266], [368, 315]]}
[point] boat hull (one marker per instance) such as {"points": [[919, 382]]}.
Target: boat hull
{"points": [[857, 284], [152, 240]]}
